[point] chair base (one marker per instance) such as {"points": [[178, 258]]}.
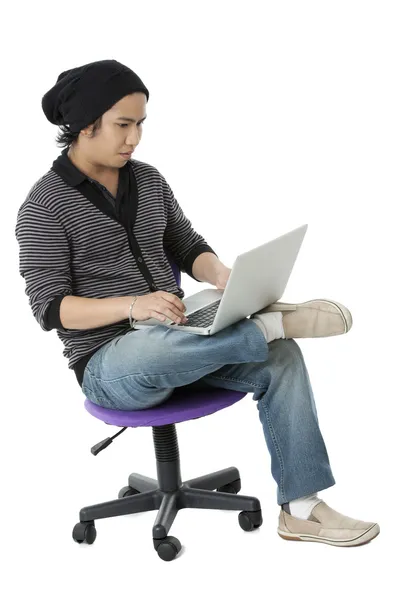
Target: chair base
{"points": [[196, 493], [168, 495]]}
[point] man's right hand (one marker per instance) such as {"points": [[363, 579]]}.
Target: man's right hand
{"points": [[159, 305]]}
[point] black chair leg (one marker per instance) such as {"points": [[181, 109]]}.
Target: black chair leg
{"points": [[197, 498], [142, 502], [166, 514], [215, 480], [141, 483]]}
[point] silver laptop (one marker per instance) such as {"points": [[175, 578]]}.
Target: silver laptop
{"points": [[258, 278]]}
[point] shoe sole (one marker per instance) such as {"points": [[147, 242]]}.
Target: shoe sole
{"points": [[342, 310], [364, 538]]}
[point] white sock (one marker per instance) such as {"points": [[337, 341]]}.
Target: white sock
{"points": [[302, 507], [270, 324]]}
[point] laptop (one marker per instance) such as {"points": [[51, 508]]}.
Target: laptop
{"points": [[258, 278]]}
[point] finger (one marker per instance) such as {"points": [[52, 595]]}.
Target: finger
{"points": [[157, 315], [175, 300], [169, 309], [175, 305], [174, 317]]}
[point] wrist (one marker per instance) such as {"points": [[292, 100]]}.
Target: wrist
{"points": [[130, 309], [206, 267], [125, 305]]}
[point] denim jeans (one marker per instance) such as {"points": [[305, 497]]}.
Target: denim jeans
{"points": [[140, 369]]}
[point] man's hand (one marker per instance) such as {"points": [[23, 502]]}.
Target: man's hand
{"points": [[223, 274]]}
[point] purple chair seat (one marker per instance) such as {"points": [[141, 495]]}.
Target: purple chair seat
{"points": [[178, 408]]}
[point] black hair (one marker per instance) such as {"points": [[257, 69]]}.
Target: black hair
{"points": [[65, 138]]}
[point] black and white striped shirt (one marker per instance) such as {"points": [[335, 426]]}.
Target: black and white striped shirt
{"points": [[73, 240]]}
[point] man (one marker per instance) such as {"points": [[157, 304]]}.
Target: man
{"points": [[93, 235]]}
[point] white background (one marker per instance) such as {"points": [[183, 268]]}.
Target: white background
{"points": [[262, 116]]}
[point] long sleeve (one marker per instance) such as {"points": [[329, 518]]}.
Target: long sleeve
{"points": [[44, 262], [184, 243]]}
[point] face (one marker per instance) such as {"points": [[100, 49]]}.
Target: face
{"points": [[102, 153]]}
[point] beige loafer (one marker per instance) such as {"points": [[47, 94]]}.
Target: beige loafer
{"points": [[327, 526], [315, 318]]}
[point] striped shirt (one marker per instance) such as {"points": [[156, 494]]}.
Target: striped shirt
{"points": [[73, 238]]}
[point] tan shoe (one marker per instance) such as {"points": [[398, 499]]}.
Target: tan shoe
{"points": [[315, 318], [327, 526]]}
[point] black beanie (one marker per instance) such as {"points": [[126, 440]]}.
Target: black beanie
{"points": [[83, 94]]}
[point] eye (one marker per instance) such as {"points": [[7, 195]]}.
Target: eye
{"points": [[126, 124]]}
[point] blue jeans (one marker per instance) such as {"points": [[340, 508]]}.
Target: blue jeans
{"points": [[141, 368]]}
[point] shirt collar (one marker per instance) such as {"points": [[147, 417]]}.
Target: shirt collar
{"points": [[64, 167]]}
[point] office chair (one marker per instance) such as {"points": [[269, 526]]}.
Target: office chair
{"points": [[167, 493]]}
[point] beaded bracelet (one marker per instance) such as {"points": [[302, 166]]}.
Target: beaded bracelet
{"points": [[132, 321]]}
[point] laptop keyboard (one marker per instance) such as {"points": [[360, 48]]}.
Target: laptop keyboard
{"points": [[204, 317]]}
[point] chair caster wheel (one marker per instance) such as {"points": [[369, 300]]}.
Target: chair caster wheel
{"points": [[249, 520], [231, 488], [84, 532], [167, 548], [127, 491]]}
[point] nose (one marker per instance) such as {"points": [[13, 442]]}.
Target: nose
{"points": [[133, 138]]}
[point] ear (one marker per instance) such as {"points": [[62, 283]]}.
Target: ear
{"points": [[87, 131]]}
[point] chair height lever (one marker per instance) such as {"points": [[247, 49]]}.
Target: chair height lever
{"points": [[104, 443]]}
